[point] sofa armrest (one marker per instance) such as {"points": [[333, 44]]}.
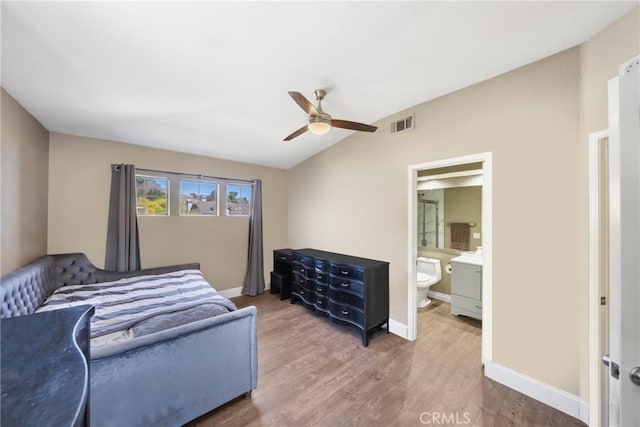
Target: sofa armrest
{"points": [[76, 269]]}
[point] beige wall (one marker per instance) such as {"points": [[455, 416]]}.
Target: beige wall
{"points": [[352, 198], [599, 60], [25, 152], [79, 182], [463, 204]]}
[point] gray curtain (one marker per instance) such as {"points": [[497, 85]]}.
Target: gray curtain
{"points": [[123, 248], [254, 279]]}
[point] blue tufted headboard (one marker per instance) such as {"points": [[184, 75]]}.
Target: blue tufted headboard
{"points": [[25, 289], [22, 291]]}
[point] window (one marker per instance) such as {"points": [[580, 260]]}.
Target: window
{"points": [[152, 195], [238, 199], [198, 198]]}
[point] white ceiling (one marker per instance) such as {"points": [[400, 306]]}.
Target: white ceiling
{"points": [[211, 78]]}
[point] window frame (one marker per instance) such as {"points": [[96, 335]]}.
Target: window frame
{"points": [[174, 179]]}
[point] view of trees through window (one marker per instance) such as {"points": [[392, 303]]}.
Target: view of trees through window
{"points": [[198, 198], [152, 195], [238, 199], [194, 197]]}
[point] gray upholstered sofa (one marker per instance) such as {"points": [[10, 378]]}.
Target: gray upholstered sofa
{"points": [[162, 379]]}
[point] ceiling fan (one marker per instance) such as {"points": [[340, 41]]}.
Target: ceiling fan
{"points": [[319, 121]]}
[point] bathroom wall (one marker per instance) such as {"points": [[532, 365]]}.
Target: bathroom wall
{"points": [[463, 204]]}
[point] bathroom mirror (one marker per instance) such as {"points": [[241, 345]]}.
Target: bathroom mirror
{"points": [[450, 218]]}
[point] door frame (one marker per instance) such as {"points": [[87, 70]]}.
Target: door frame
{"points": [[624, 238], [487, 244], [595, 263]]}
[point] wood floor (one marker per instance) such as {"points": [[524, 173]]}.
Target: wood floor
{"points": [[316, 373]]}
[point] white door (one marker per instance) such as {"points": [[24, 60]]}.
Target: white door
{"points": [[624, 249]]}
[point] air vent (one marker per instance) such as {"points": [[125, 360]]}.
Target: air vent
{"points": [[403, 125]]}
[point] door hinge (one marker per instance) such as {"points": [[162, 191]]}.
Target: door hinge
{"points": [[603, 300]]}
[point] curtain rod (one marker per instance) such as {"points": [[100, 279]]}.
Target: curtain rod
{"points": [[196, 175]]}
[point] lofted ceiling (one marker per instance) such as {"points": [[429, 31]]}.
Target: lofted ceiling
{"points": [[211, 78]]}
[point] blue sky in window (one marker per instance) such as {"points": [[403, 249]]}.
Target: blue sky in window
{"points": [[187, 188], [162, 183]]}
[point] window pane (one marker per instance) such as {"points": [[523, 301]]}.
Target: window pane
{"points": [[198, 198], [152, 195], [238, 199]]}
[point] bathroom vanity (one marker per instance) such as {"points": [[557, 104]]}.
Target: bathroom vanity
{"points": [[466, 286]]}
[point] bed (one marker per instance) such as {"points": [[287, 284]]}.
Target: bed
{"points": [[164, 377]]}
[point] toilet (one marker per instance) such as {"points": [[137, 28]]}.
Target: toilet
{"points": [[428, 273]]}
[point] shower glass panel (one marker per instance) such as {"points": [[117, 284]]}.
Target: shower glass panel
{"points": [[428, 223]]}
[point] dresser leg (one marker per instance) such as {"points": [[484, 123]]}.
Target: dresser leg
{"points": [[365, 339]]}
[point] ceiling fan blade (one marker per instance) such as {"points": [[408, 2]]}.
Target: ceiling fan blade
{"points": [[346, 124], [299, 132], [304, 103]]}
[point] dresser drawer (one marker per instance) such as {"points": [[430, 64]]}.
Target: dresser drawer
{"points": [[322, 265], [281, 256], [346, 298], [322, 290], [346, 312], [303, 281], [303, 270], [343, 284], [322, 276], [306, 295], [347, 271], [322, 303]]}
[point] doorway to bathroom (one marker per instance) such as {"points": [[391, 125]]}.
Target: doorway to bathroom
{"points": [[449, 225]]}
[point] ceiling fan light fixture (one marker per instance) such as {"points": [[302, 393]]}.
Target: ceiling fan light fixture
{"points": [[319, 125]]}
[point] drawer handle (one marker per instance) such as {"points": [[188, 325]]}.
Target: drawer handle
{"points": [[345, 285], [344, 312], [479, 307], [301, 292], [283, 257], [344, 272], [302, 270], [319, 289]]}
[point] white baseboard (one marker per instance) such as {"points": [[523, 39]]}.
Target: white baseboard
{"points": [[584, 411], [398, 328], [236, 292], [545, 393], [231, 292], [439, 296]]}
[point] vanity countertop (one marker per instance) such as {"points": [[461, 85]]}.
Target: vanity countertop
{"points": [[469, 258]]}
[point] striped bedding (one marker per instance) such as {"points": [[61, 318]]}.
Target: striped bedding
{"points": [[126, 303]]}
